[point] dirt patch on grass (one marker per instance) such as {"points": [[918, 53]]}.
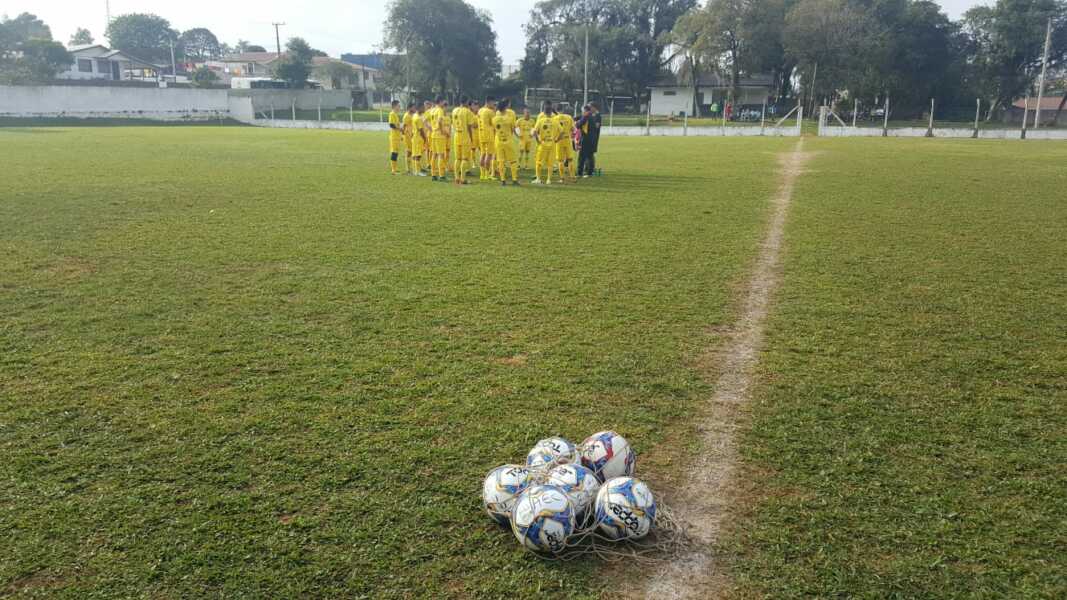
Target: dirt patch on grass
{"points": [[712, 486], [513, 361]]}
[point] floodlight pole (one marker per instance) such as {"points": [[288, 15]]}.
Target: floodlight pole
{"points": [[855, 110], [586, 96], [1044, 68], [885, 118], [977, 114], [173, 64]]}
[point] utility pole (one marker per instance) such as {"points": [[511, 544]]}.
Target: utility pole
{"points": [[1044, 68], [586, 99], [173, 64], [107, 11], [278, 37]]}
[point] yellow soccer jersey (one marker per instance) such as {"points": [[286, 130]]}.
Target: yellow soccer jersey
{"points": [[525, 128], [437, 123], [485, 121], [395, 131], [566, 125], [504, 126], [547, 129], [462, 118], [418, 125], [407, 124]]}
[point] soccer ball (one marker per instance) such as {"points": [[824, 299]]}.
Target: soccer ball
{"points": [[501, 488], [554, 450], [543, 519], [625, 509], [579, 483], [609, 455]]}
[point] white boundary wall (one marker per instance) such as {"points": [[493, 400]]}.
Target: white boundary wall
{"points": [[86, 102], [607, 131], [956, 133]]}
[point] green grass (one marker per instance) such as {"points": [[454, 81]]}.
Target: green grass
{"points": [[910, 438], [243, 362]]}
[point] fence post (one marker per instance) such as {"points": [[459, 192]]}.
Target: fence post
{"points": [[977, 114], [611, 115], [930, 127], [1026, 113], [855, 111], [352, 112], [763, 116], [885, 118], [685, 123], [272, 110], [800, 119], [724, 117], [320, 105], [294, 109], [823, 113], [648, 118]]}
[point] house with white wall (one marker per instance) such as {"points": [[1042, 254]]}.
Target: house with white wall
{"points": [[674, 95], [99, 62]]}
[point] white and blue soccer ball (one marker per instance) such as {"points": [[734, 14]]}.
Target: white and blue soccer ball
{"points": [[609, 455], [579, 483], [552, 451], [501, 489], [543, 519], [625, 509]]}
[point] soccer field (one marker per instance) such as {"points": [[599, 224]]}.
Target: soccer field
{"points": [[251, 363]]}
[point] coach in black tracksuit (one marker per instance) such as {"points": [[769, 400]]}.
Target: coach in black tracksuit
{"points": [[589, 125]]}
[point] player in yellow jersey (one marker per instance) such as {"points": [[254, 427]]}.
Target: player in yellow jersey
{"points": [[463, 134], [504, 128], [525, 125], [565, 147], [420, 141], [476, 150], [396, 136], [546, 132], [485, 137], [440, 123], [409, 114]]}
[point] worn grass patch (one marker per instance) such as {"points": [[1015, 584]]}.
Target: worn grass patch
{"points": [[245, 362], [910, 438]]}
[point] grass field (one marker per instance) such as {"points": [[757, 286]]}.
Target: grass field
{"points": [[909, 438], [249, 363]]}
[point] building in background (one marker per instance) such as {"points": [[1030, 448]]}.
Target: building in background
{"points": [[674, 96], [101, 63]]}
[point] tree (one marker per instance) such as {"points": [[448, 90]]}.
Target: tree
{"points": [[81, 37], [627, 42], [254, 48], [1008, 43], [199, 44], [448, 45], [295, 66], [203, 77], [27, 52], [145, 36]]}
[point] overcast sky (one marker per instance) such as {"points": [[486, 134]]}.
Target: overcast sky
{"points": [[334, 26]]}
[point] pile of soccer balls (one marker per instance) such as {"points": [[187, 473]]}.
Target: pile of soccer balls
{"points": [[565, 491]]}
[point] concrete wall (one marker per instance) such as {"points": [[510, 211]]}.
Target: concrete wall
{"points": [[335, 125], [263, 100], [741, 131], [113, 102]]}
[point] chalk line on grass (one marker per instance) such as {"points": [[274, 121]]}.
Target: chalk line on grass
{"points": [[703, 502]]}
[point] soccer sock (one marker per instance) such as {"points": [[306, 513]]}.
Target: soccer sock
{"points": [[514, 171], [418, 167], [537, 170], [394, 166]]}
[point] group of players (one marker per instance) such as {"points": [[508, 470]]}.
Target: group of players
{"points": [[431, 136]]}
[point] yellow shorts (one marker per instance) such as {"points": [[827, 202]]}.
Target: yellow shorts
{"points": [[546, 154], [396, 145], [439, 145], [505, 152], [526, 145], [485, 145], [417, 146], [564, 151], [408, 141], [463, 151]]}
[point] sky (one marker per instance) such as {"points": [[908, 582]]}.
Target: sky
{"points": [[334, 26]]}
